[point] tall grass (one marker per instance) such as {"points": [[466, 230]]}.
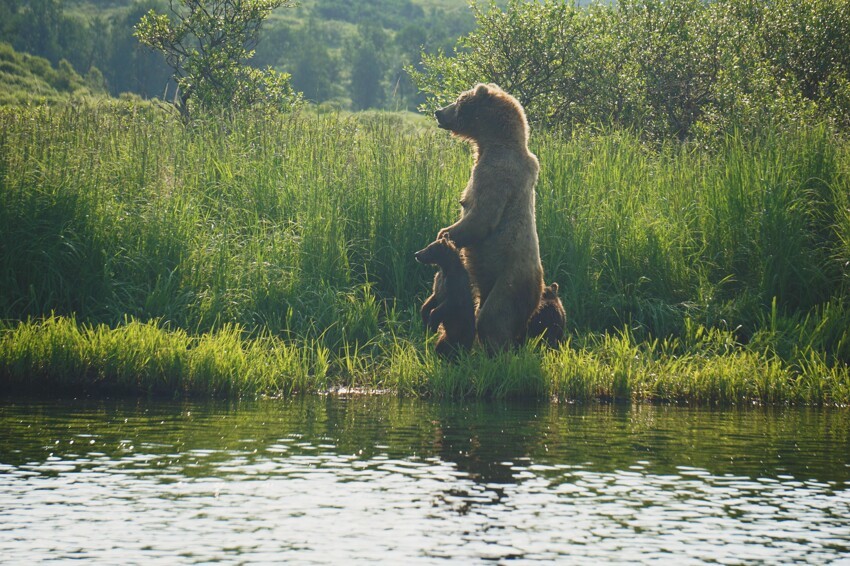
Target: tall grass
{"points": [[290, 239], [267, 223], [60, 355]]}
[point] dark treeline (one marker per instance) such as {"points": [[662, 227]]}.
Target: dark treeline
{"points": [[348, 54]]}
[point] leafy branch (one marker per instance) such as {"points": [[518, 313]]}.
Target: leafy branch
{"points": [[207, 43]]}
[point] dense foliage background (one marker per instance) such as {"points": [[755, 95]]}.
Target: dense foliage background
{"points": [[348, 54], [666, 68]]}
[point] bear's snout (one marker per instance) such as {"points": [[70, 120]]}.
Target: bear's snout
{"points": [[445, 116], [438, 115]]}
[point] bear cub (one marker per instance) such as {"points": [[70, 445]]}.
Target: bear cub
{"points": [[549, 319], [450, 305]]}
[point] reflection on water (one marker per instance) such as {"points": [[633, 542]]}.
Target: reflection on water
{"points": [[325, 479]]}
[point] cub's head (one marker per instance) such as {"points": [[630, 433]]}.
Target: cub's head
{"points": [[485, 112], [550, 293], [439, 252]]}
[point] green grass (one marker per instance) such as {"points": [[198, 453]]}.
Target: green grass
{"points": [[273, 254], [60, 355]]}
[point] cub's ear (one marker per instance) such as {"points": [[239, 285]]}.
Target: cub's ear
{"points": [[482, 91], [554, 287]]}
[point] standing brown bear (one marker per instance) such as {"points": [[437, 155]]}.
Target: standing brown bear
{"points": [[497, 230], [549, 319], [450, 305]]}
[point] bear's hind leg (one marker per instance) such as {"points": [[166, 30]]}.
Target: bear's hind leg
{"points": [[503, 317], [446, 349]]}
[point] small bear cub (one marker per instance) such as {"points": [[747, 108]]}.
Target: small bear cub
{"points": [[549, 319], [450, 309]]}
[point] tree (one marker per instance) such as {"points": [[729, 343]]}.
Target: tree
{"points": [[557, 58], [130, 66], [669, 69], [367, 68], [39, 28], [207, 43], [9, 20], [315, 71], [409, 42]]}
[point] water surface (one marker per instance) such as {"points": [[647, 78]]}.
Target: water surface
{"points": [[364, 479]]}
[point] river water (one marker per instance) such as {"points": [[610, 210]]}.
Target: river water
{"points": [[379, 479]]}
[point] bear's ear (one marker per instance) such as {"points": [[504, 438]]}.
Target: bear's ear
{"points": [[482, 91], [554, 287]]}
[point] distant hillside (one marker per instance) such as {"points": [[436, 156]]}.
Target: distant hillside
{"points": [[28, 78], [348, 54]]}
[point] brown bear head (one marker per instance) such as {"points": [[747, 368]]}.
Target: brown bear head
{"points": [[485, 113], [442, 253]]}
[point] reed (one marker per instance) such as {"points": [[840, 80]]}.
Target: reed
{"points": [[273, 254]]}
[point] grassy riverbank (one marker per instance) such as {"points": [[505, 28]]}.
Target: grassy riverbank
{"points": [[58, 355], [274, 254]]}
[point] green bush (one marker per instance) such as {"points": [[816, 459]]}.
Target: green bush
{"points": [[665, 68], [208, 43]]}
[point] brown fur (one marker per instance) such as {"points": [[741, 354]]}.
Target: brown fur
{"points": [[450, 309], [549, 319], [497, 230]]}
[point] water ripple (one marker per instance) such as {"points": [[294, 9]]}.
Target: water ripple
{"points": [[319, 481]]}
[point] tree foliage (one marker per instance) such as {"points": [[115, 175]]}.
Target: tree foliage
{"points": [[667, 68], [367, 68], [315, 43], [387, 13], [130, 66], [207, 43]]}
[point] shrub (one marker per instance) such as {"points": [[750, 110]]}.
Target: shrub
{"points": [[666, 68]]}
